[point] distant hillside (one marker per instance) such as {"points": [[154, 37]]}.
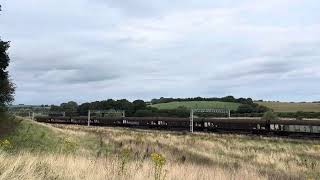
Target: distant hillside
{"points": [[291, 107], [197, 104]]}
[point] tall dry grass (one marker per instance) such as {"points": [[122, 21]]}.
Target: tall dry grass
{"points": [[31, 166], [265, 157], [120, 153]]}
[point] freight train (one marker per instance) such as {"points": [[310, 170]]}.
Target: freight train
{"points": [[247, 125]]}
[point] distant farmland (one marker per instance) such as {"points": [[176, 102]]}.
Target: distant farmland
{"points": [[197, 104], [292, 107]]}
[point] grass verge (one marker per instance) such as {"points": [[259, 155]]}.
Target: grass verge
{"points": [[41, 151]]}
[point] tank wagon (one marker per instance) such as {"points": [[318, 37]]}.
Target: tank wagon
{"points": [[248, 125]]}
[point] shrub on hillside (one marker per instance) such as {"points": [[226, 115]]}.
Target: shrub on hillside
{"points": [[252, 108], [269, 116]]}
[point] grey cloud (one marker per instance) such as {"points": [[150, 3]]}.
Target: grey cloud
{"points": [[256, 67], [77, 76], [138, 7], [92, 50], [297, 50], [142, 8]]}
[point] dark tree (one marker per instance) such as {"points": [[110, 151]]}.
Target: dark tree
{"points": [[70, 106], [84, 108], [6, 87], [55, 108], [139, 104], [245, 108]]}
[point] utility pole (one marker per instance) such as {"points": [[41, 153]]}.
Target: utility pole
{"points": [[191, 121], [89, 113]]}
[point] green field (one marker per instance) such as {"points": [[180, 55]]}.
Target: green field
{"points": [[292, 107], [197, 104]]}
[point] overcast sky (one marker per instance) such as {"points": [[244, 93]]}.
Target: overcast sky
{"points": [[87, 50]]}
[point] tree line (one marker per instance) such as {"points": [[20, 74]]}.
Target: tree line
{"points": [[137, 108], [222, 99], [140, 108]]}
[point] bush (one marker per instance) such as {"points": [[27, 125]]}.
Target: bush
{"points": [[6, 144], [68, 145], [269, 116], [159, 161], [252, 108], [7, 123], [245, 108]]}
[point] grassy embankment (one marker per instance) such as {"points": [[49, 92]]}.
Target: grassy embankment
{"points": [[38, 151], [292, 107], [197, 104]]}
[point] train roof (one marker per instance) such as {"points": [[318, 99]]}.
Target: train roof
{"points": [[297, 122], [242, 120]]}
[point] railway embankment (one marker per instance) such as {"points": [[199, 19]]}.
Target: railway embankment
{"points": [[55, 151]]}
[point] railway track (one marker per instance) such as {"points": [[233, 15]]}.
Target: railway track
{"points": [[250, 126]]}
